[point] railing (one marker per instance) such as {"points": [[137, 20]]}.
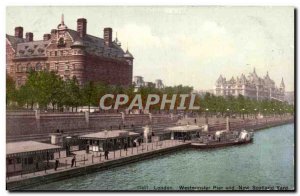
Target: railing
{"points": [[83, 159]]}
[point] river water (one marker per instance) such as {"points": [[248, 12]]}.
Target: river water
{"points": [[267, 163]]}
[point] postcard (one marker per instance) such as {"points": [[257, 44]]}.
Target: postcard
{"points": [[150, 99]]}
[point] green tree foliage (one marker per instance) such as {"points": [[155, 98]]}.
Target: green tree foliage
{"points": [[47, 89], [10, 90]]}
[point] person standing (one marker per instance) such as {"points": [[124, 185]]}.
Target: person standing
{"points": [[106, 154], [37, 165], [73, 161], [125, 146], [56, 164]]}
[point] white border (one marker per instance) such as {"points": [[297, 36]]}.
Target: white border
{"points": [[5, 3]]}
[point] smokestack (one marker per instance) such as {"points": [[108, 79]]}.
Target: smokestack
{"points": [[46, 37], [81, 26], [19, 32], [53, 32], [29, 37], [107, 36]]}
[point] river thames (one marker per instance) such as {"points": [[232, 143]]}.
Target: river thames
{"points": [[267, 163]]}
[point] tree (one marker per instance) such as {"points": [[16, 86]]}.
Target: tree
{"points": [[10, 90], [89, 94], [73, 93]]}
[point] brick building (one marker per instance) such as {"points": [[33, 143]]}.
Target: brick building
{"points": [[69, 53]]}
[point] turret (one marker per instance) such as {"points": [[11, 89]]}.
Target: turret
{"points": [[128, 56], [282, 86]]}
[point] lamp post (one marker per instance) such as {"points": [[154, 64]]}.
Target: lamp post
{"points": [[243, 110], [206, 117], [228, 113], [265, 114]]}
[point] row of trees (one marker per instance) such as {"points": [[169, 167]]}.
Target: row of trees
{"points": [[240, 105], [48, 90]]}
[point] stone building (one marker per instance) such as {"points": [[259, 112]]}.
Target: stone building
{"points": [[138, 82], [251, 86], [69, 53]]}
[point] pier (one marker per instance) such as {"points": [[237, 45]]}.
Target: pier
{"points": [[95, 161]]}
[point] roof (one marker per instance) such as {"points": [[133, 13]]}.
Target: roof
{"points": [[28, 146], [34, 48], [93, 45], [14, 40], [185, 128], [109, 134]]}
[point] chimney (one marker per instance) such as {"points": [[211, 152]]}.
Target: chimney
{"points": [[53, 32], [107, 36], [29, 37], [19, 32], [81, 26], [46, 37]]}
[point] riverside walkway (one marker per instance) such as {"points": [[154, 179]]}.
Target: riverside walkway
{"points": [[94, 161]]}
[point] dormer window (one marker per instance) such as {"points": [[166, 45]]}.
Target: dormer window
{"points": [[61, 42], [40, 50], [30, 50]]}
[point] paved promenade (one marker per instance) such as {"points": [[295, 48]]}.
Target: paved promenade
{"points": [[96, 158]]}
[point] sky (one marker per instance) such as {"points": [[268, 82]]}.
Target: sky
{"points": [[183, 45]]}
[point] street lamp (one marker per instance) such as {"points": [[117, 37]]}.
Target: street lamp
{"points": [[228, 114], [206, 119]]}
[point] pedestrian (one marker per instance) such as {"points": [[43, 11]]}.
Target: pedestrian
{"points": [[184, 138], [47, 158], [37, 165], [140, 141], [106, 154], [195, 121], [87, 149], [125, 146], [73, 161], [56, 164]]}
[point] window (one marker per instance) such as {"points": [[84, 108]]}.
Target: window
{"points": [[19, 68], [9, 161], [56, 66], [38, 67], [18, 160], [28, 67], [55, 53], [47, 66], [24, 69], [61, 42], [19, 81], [30, 160]]}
